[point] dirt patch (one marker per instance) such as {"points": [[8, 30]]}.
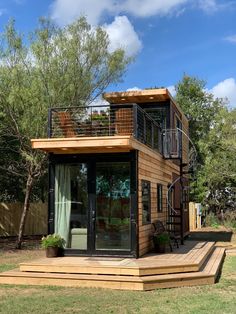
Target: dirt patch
{"points": [[29, 243], [30, 250]]}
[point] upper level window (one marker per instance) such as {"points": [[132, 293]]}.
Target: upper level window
{"points": [[160, 115], [159, 198], [146, 202]]}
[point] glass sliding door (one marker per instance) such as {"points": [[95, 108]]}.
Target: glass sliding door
{"points": [[71, 204], [91, 204], [113, 206]]}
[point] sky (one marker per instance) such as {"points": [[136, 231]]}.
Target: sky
{"points": [[169, 38]]}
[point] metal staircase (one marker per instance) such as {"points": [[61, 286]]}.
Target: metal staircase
{"points": [[173, 149]]}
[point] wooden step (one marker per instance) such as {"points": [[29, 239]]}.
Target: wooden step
{"points": [[72, 280], [149, 265], [207, 275]]}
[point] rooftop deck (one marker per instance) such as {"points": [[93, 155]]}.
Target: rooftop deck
{"points": [[115, 127]]}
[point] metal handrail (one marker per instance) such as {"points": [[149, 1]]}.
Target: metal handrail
{"points": [[79, 121]]}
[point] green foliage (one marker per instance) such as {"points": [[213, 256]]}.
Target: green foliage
{"points": [[212, 130], [161, 238], [200, 106], [53, 66], [52, 240], [227, 219]]}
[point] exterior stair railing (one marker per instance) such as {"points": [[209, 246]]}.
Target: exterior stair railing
{"points": [[172, 149]]}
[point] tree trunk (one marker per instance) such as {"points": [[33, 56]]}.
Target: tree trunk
{"points": [[29, 185]]}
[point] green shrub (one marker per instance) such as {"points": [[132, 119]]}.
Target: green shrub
{"points": [[52, 240], [230, 219], [212, 221], [162, 238]]}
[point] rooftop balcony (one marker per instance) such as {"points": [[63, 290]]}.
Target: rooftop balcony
{"points": [[117, 127]]}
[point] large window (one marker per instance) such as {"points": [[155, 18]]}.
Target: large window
{"points": [[159, 198], [146, 202]]}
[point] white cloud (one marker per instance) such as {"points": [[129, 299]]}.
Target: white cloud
{"points": [[172, 90], [212, 6], [100, 102], [133, 89], [231, 39], [147, 8], [122, 35], [226, 89], [65, 11], [209, 6], [3, 11]]}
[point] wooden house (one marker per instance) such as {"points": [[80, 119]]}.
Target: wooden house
{"points": [[115, 169]]}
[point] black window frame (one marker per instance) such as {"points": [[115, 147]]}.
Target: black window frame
{"points": [[159, 198], [144, 184]]}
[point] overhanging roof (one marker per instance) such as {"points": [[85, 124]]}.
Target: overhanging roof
{"points": [[146, 95]]}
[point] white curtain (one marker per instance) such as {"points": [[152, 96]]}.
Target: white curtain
{"points": [[62, 201]]}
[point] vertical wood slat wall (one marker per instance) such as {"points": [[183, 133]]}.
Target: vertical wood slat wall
{"points": [[153, 168], [10, 215]]}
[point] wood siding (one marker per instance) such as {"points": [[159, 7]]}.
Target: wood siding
{"points": [[152, 167]]}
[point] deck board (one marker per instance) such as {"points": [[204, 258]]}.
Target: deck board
{"points": [[199, 264]]}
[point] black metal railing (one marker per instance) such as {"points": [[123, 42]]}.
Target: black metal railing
{"points": [[109, 120]]}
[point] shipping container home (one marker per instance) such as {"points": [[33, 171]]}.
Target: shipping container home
{"points": [[115, 169]]}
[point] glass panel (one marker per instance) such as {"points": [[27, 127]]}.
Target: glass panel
{"points": [[71, 204], [159, 115], [113, 206], [146, 202], [159, 198]]}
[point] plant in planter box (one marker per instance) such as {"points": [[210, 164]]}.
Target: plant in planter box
{"points": [[160, 241], [53, 243]]}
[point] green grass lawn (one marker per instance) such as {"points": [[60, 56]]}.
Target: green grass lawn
{"points": [[218, 298]]}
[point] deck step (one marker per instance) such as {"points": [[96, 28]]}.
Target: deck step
{"points": [[209, 264], [150, 265], [207, 275]]}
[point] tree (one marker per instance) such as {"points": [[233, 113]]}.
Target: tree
{"points": [[202, 110], [219, 169], [200, 106], [55, 66]]}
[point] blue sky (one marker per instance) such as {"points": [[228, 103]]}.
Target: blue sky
{"points": [[169, 38]]}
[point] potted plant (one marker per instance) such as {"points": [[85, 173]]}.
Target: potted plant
{"points": [[53, 243], [160, 240]]}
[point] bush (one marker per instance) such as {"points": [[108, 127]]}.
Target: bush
{"points": [[230, 219], [227, 219], [162, 238], [212, 221], [52, 240]]}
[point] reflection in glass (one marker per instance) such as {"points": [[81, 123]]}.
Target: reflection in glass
{"points": [[113, 206], [146, 202], [71, 204]]}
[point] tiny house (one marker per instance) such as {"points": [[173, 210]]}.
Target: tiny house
{"points": [[115, 169]]}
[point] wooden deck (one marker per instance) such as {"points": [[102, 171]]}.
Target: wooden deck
{"points": [[195, 263]]}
